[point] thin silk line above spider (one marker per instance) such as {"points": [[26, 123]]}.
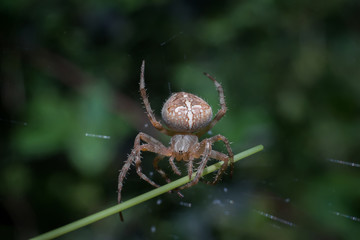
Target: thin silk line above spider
{"points": [[187, 117]]}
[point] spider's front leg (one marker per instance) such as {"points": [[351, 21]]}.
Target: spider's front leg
{"points": [[163, 174], [205, 147], [221, 157], [151, 145], [160, 171]]}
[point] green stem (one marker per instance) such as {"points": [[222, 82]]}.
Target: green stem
{"points": [[139, 199]]}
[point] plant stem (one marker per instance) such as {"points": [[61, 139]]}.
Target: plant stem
{"points": [[139, 199]]}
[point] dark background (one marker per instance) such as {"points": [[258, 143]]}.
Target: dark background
{"points": [[290, 72]]}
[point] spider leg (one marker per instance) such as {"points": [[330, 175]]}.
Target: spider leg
{"points": [[162, 173], [222, 109], [144, 147], [157, 168], [221, 157], [190, 167], [149, 111], [200, 169], [173, 166], [122, 175], [151, 145]]}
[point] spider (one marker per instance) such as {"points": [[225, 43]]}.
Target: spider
{"points": [[187, 117]]}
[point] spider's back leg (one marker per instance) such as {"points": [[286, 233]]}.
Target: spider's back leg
{"points": [[222, 109], [149, 111]]}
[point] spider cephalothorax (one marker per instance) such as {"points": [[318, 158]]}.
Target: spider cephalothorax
{"points": [[187, 117]]}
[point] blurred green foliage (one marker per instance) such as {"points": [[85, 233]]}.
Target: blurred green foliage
{"points": [[290, 72]]}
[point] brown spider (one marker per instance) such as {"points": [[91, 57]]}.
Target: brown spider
{"points": [[187, 117]]}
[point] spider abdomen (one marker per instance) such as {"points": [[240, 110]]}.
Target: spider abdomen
{"points": [[186, 112]]}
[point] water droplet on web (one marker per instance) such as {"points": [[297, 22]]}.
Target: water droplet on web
{"points": [[272, 217], [344, 162], [153, 229], [347, 216], [97, 136], [158, 202], [225, 189], [185, 204]]}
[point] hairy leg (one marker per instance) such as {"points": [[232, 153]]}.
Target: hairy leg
{"points": [[206, 156], [151, 145], [158, 169], [173, 166], [144, 147], [149, 111], [163, 174], [121, 177], [222, 109], [190, 167], [221, 157]]}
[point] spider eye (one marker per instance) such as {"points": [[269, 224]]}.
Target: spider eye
{"points": [[186, 112]]}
